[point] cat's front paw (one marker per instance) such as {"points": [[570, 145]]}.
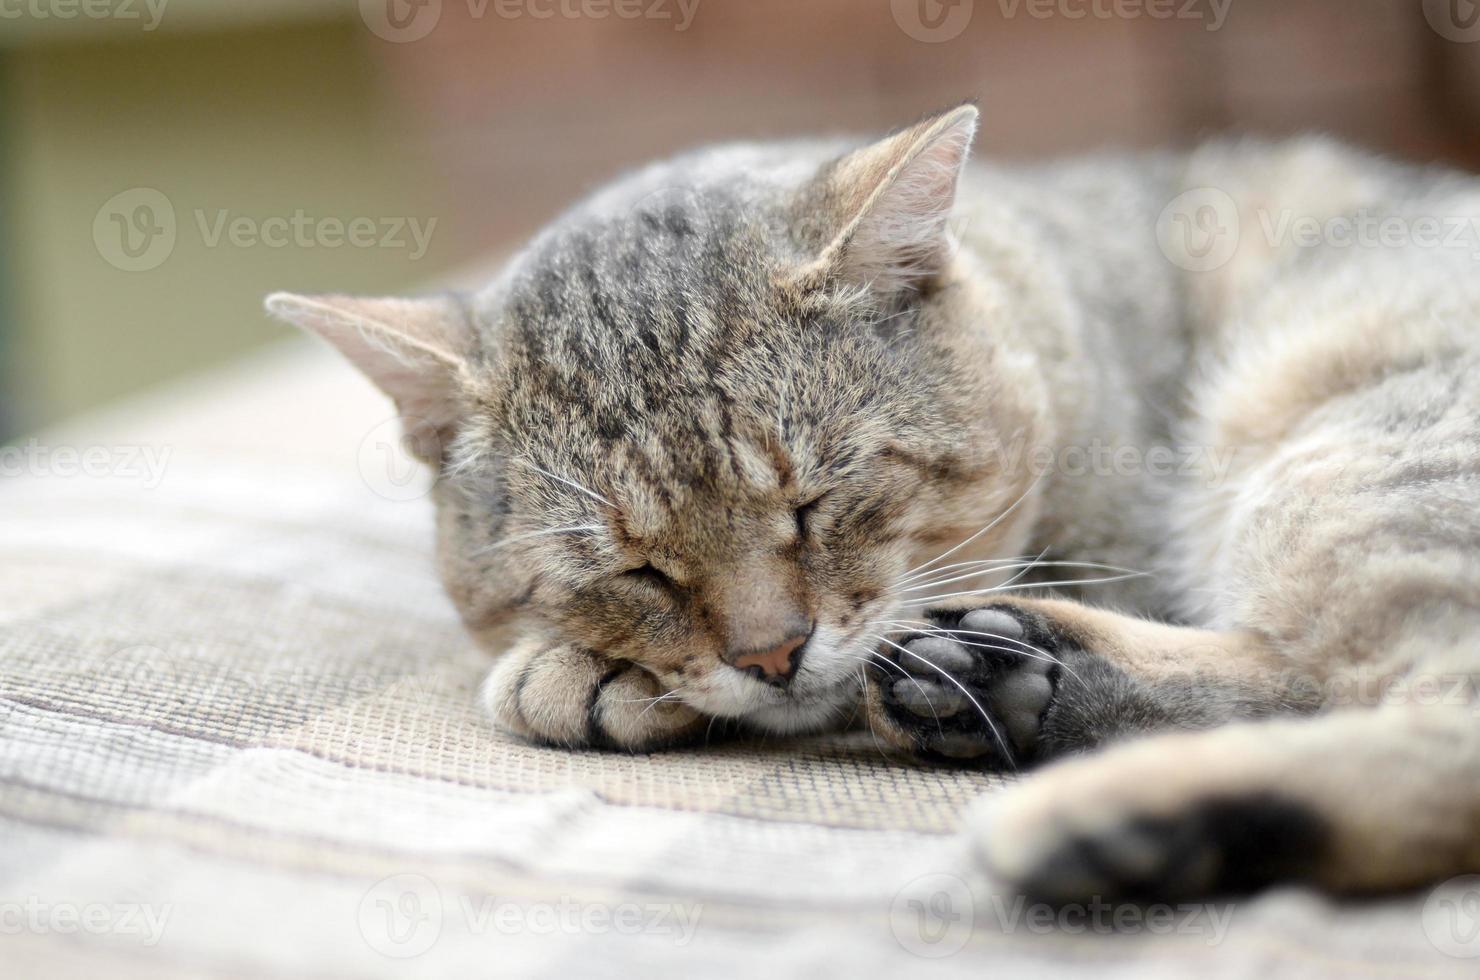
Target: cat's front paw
{"points": [[563, 695], [970, 687]]}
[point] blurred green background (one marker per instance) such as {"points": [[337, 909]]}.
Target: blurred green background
{"points": [[229, 110]]}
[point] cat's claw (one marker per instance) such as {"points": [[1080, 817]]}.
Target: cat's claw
{"points": [[972, 686]]}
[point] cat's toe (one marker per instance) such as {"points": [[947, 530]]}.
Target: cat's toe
{"points": [[1020, 699], [935, 657], [926, 698], [994, 623]]}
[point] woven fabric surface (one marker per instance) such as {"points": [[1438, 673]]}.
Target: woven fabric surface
{"points": [[238, 737]]}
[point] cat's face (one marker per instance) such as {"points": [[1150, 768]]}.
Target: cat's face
{"points": [[691, 430]]}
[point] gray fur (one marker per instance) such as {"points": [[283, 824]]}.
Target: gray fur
{"points": [[759, 386]]}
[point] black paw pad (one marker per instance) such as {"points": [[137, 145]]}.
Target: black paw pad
{"points": [[972, 686]]}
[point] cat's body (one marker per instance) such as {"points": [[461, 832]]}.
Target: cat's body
{"points": [[734, 438]]}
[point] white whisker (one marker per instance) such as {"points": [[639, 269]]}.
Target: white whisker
{"points": [[995, 521], [930, 583], [1006, 750], [920, 626], [504, 542], [1021, 647], [656, 701], [1019, 576], [907, 676], [927, 600], [863, 704], [1027, 566], [560, 479], [975, 563]]}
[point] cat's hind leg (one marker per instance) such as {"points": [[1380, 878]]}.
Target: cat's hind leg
{"points": [[1346, 537], [1357, 801]]}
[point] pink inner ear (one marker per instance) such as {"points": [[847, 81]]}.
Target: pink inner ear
{"points": [[899, 236], [412, 349]]}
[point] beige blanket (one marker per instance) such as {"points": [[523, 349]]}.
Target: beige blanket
{"points": [[238, 738]]}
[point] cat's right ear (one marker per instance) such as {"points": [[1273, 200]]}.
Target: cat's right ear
{"points": [[414, 350], [884, 207]]}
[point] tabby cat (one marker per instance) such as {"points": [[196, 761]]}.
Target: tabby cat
{"points": [[791, 437]]}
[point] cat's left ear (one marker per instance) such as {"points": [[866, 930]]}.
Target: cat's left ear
{"points": [[414, 350], [892, 200]]}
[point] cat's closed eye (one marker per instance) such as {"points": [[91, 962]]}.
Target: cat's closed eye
{"points": [[805, 513], [649, 575]]}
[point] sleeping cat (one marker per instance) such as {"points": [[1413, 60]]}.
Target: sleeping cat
{"points": [[796, 436]]}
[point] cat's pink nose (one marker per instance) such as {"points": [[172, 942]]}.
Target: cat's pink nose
{"points": [[776, 664]]}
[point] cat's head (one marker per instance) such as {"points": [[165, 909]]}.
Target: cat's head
{"points": [[709, 419]]}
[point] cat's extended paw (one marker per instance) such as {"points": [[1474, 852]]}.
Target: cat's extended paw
{"points": [[971, 687], [575, 698], [1129, 826]]}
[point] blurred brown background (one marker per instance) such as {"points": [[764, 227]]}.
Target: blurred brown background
{"points": [[543, 108], [480, 119]]}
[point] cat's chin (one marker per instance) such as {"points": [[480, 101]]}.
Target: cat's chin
{"points": [[801, 717], [800, 714]]}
